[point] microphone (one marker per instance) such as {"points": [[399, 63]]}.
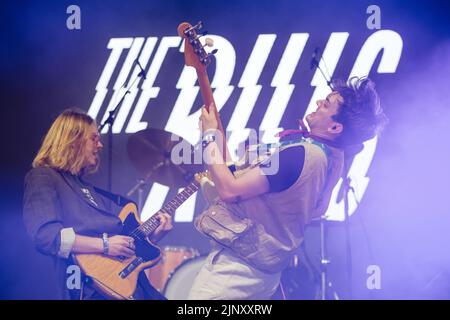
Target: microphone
{"points": [[314, 60], [142, 73]]}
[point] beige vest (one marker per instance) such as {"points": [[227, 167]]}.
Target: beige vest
{"points": [[281, 217]]}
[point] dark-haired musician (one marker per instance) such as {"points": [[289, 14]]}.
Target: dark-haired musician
{"points": [[259, 219]]}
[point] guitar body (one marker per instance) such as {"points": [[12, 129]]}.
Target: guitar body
{"points": [[105, 271]]}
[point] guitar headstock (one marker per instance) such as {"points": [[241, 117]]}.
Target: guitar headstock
{"points": [[194, 52]]}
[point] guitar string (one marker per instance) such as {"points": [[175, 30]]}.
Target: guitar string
{"points": [[152, 222]]}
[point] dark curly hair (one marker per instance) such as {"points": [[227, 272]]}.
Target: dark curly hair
{"points": [[360, 113]]}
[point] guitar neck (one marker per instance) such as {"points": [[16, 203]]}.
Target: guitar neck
{"points": [[208, 99], [149, 226]]}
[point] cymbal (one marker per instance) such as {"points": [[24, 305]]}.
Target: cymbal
{"points": [[150, 152]]}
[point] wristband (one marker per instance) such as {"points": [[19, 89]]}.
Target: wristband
{"points": [[105, 243], [208, 137]]}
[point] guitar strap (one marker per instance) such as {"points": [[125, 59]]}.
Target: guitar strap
{"points": [[115, 198]]}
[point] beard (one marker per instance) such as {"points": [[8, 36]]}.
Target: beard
{"points": [[92, 166]]}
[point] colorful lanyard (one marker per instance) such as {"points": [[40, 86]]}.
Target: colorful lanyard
{"points": [[280, 146]]}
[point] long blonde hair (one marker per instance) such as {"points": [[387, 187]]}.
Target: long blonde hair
{"points": [[63, 145]]}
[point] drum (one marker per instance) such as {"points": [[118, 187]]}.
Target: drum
{"points": [[171, 258], [180, 282]]}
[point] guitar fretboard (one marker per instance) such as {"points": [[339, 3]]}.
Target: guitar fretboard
{"points": [[152, 223]]}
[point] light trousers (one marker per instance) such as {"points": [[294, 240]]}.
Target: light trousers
{"points": [[225, 276]]}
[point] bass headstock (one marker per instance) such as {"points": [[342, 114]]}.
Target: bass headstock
{"points": [[195, 54]]}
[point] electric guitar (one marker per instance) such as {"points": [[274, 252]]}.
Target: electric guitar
{"points": [[117, 278]]}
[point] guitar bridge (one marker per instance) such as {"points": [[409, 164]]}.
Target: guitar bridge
{"points": [[131, 267]]}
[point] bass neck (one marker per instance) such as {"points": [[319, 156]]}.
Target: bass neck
{"points": [[208, 99]]}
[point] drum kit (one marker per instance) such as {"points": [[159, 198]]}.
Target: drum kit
{"points": [[174, 275], [150, 152]]}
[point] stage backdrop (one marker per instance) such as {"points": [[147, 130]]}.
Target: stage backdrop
{"points": [[67, 54]]}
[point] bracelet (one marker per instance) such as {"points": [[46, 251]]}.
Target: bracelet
{"points": [[105, 243], [206, 143]]}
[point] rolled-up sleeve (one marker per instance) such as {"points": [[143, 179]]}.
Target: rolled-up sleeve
{"points": [[42, 211], [67, 241]]}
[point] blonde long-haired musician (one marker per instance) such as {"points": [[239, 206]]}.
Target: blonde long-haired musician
{"points": [[65, 214]]}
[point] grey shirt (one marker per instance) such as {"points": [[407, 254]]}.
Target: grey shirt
{"points": [[56, 200]]}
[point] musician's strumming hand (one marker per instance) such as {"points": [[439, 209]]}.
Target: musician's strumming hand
{"points": [[121, 246], [207, 119], [165, 225]]}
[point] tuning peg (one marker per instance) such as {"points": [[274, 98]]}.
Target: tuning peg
{"points": [[209, 42], [201, 35]]}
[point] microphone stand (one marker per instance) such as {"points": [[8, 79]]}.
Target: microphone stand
{"points": [[110, 121], [141, 183], [348, 252], [326, 286], [346, 188], [315, 64]]}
